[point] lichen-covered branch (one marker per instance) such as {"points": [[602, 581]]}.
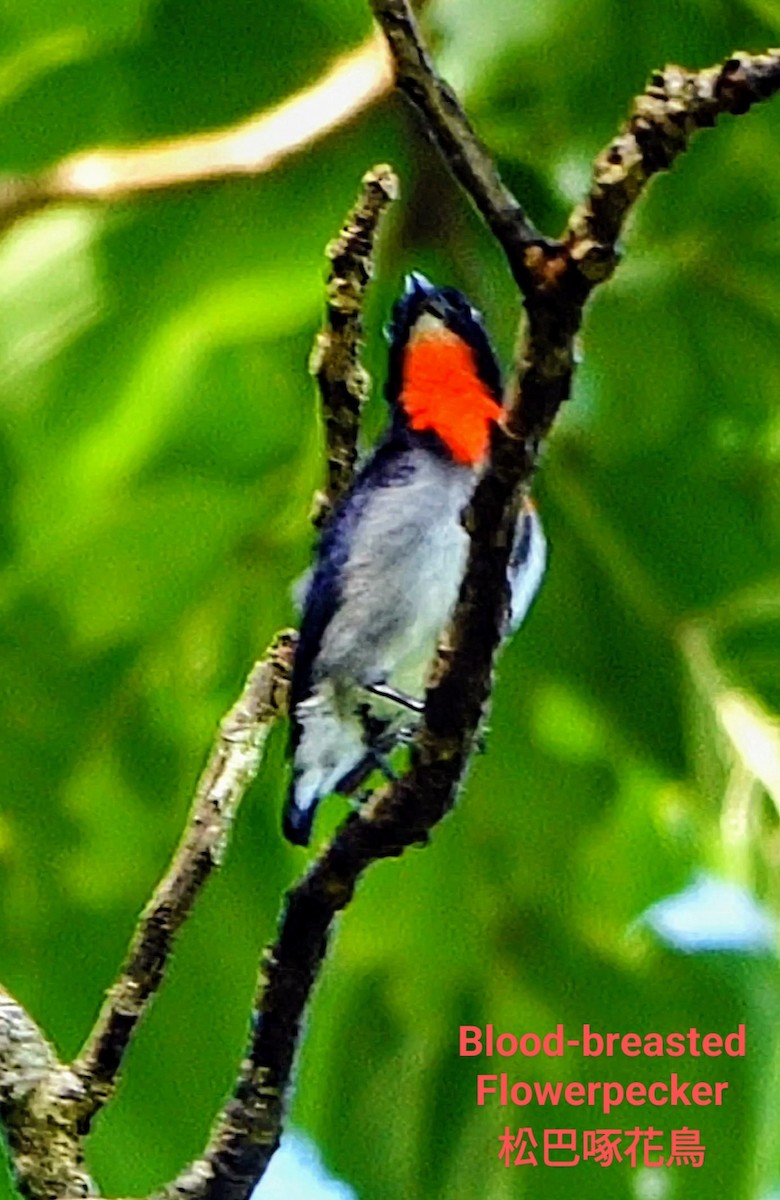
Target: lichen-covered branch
{"points": [[69, 1098], [46, 1107], [675, 105], [234, 762], [342, 380], [252, 147], [36, 1096]]}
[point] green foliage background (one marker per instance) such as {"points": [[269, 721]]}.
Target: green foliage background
{"points": [[159, 449]]}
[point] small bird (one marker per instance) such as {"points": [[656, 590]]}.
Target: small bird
{"points": [[393, 553]]}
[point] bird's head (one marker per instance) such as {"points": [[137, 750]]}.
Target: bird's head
{"points": [[443, 378]]}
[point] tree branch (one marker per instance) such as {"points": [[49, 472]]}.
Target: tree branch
{"points": [[676, 104], [47, 1107], [36, 1096], [69, 1098], [663, 119], [561, 277], [335, 362], [403, 813], [234, 762], [353, 82], [248, 1131], [446, 123]]}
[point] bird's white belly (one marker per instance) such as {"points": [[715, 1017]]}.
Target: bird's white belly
{"points": [[402, 580], [436, 571], [399, 589]]}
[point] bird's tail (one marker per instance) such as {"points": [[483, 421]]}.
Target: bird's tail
{"points": [[325, 748], [298, 818], [527, 563]]}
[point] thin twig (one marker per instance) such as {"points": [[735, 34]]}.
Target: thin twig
{"points": [[447, 125], [234, 762], [675, 105], [335, 362], [353, 83]]}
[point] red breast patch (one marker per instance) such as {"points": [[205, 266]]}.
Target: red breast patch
{"points": [[442, 391]]}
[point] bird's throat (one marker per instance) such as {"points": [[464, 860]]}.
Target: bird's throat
{"points": [[442, 391]]}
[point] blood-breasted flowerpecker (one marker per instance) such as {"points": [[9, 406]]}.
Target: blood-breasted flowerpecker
{"points": [[393, 553]]}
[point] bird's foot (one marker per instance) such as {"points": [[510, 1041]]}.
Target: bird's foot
{"points": [[384, 691]]}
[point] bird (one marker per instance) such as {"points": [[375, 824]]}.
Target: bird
{"points": [[393, 553]]}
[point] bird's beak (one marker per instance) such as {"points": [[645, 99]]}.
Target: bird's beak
{"points": [[417, 286]]}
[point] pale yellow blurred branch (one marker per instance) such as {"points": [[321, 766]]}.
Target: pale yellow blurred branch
{"points": [[351, 84], [748, 739], [755, 736]]}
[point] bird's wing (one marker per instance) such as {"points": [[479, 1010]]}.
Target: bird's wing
{"points": [[527, 563], [387, 466]]}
